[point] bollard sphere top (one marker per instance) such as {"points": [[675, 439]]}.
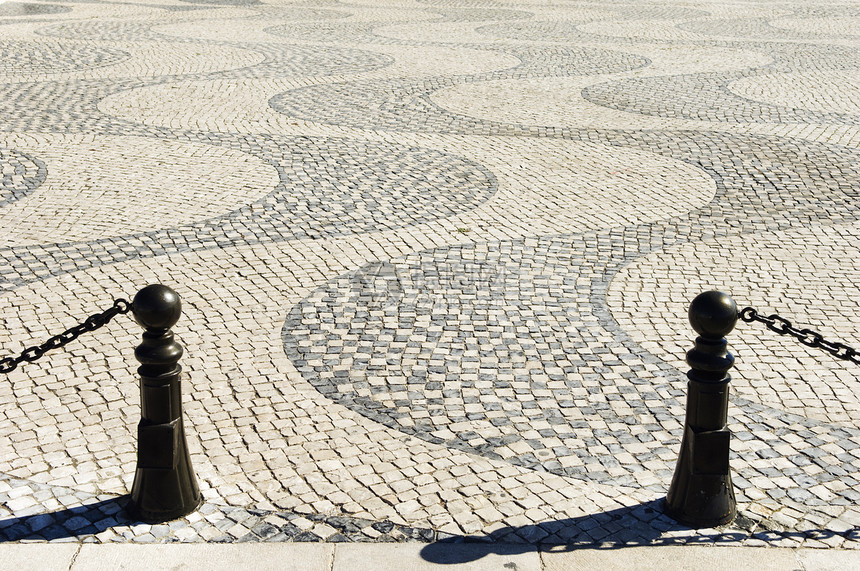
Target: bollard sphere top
{"points": [[156, 307], [713, 314]]}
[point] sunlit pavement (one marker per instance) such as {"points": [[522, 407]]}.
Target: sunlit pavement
{"points": [[435, 259]]}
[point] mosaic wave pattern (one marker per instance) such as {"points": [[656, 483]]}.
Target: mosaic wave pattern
{"points": [[21, 175], [19, 9], [24, 57], [434, 258]]}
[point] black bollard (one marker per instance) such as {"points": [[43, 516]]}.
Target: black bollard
{"points": [[701, 494], [164, 484]]}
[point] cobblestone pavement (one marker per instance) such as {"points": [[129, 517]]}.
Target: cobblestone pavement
{"points": [[434, 257]]}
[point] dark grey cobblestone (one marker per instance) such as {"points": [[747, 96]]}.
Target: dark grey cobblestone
{"points": [[410, 109], [18, 10], [19, 175], [704, 98], [329, 188], [104, 520], [53, 57]]}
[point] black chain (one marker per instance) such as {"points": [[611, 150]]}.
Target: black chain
{"points": [[808, 337], [91, 323]]}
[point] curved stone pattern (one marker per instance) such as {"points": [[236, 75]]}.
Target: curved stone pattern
{"points": [[701, 97], [299, 12], [810, 58], [822, 92], [72, 105], [20, 175], [32, 58], [620, 10], [225, 2], [825, 27], [708, 97], [372, 106], [433, 259], [807, 22], [797, 261], [552, 187], [557, 101], [151, 63], [252, 524], [88, 437], [451, 14], [505, 350], [85, 197], [102, 31], [826, 10], [556, 31], [327, 188], [763, 29], [143, 62], [487, 352], [241, 104], [337, 187], [13, 9], [654, 30], [569, 62], [328, 32], [301, 60], [606, 21]]}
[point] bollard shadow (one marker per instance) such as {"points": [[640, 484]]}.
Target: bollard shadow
{"points": [[637, 526], [78, 521], [614, 528]]}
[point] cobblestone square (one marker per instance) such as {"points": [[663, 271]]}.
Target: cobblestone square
{"points": [[435, 259]]}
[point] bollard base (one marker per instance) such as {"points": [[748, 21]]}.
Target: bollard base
{"points": [[708, 501], [163, 495], [164, 485], [139, 514], [702, 494]]}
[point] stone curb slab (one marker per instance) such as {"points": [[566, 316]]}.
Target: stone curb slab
{"points": [[412, 557]]}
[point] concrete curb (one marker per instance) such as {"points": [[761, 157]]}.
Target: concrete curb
{"points": [[411, 557]]}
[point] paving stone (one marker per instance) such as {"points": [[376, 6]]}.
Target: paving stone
{"points": [[434, 260]]}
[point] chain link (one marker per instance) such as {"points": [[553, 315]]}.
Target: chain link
{"points": [[91, 323], [808, 337]]}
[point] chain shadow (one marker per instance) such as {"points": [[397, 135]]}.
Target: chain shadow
{"points": [[78, 521], [635, 526]]}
